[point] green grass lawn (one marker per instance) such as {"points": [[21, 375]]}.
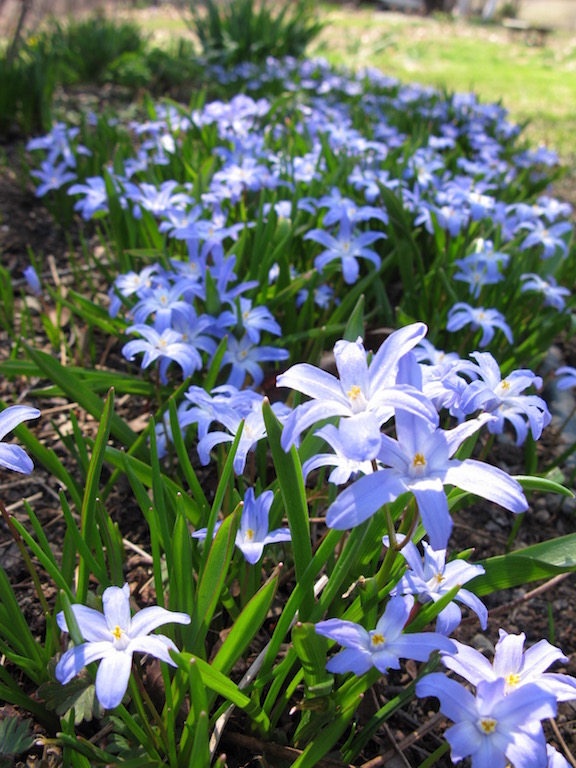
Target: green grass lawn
{"points": [[536, 84]]}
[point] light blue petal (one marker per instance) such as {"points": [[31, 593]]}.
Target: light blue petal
{"points": [[509, 654], [91, 623], [76, 658], [112, 678], [356, 660], [252, 550], [419, 645], [448, 619], [352, 367], [14, 415], [311, 381], [469, 664], [309, 413], [488, 482], [362, 499], [384, 366], [147, 620], [528, 747], [456, 702], [116, 604], [15, 458], [540, 656], [395, 616], [158, 646], [465, 739], [433, 508], [346, 633], [280, 534]]}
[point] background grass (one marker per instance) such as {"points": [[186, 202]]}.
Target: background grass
{"points": [[537, 84]]}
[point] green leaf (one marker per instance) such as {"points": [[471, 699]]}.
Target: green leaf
{"points": [[245, 627], [79, 694], [224, 687], [213, 578], [15, 736], [88, 527], [355, 324], [544, 484], [540, 561], [76, 389], [312, 648], [291, 482]]}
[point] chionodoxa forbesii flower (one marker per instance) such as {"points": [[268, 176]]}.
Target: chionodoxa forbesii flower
{"points": [[13, 456], [112, 638]]}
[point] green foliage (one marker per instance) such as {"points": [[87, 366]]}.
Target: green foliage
{"points": [[251, 30], [87, 48], [15, 738]]}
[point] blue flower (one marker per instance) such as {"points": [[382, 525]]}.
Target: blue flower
{"points": [[253, 533], [347, 247], [567, 376], [113, 637], [421, 461], [503, 398], [515, 666], [487, 320], [549, 237], [553, 293], [52, 177], [384, 646], [493, 728], [244, 357], [164, 347], [13, 456], [434, 578], [361, 388]]}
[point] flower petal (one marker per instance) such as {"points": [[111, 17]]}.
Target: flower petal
{"points": [[14, 415], [116, 604], [154, 645], [15, 458], [356, 660], [112, 678], [344, 632], [76, 658], [155, 616]]}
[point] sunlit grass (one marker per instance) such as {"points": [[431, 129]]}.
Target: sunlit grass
{"points": [[536, 84]]}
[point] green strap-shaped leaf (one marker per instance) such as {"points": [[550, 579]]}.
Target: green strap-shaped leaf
{"points": [[245, 627], [311, 648], [76, 389], [533, 483], [213, 578], [291, 482], [88, 511], [540, 561], [221, 685]]}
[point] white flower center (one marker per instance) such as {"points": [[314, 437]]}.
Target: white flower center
{"points": [[488, 725], [377, 639]]}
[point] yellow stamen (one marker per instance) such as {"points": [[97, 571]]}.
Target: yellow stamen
{"points": [[354, 392], [419, 460], [249, 534], [117, 632], [513, 678], [505, 384], [377, 638], [488, 724]]}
